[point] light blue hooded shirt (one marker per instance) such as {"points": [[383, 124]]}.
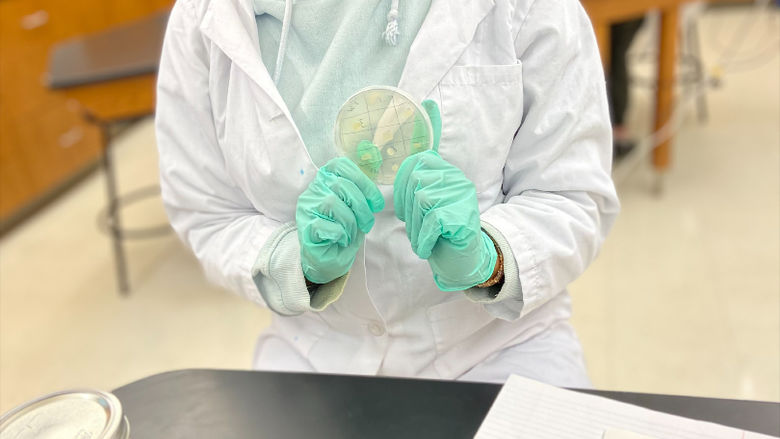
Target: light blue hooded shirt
{"points": [[334, 48]]}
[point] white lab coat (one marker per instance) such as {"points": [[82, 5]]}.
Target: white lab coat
{"points": [[522, 95]]}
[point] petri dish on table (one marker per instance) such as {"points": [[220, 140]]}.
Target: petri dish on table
{"points": [[378, 127], [82, 413]]}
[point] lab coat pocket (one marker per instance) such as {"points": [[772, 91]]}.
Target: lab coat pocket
{"points": [[456, 326], [482, 107]]}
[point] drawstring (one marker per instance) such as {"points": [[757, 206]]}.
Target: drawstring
{"points": [[283, 39], [391, 31]]}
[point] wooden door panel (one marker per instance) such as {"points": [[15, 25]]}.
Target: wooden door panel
{"points": [[43, 140]]}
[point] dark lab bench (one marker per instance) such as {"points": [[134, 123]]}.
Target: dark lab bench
{"points": [[229, 404]]}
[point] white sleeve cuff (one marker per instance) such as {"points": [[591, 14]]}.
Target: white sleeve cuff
{"points": [[278, 275], [505, 300]]}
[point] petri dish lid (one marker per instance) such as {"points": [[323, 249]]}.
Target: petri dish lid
{"points": [[72, 414], [378, 127]]}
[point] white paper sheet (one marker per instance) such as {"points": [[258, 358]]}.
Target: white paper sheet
{"points": [[623, 434], [528, 409]]}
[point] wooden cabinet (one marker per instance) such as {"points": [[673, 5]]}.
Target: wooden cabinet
{"points": [[43, 139]]}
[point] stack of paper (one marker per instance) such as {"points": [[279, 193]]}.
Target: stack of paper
{"points": [[528, 409]]}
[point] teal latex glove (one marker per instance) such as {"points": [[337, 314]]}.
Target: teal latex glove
{"points": [[369, 159], [332, 216], [438, 203]]}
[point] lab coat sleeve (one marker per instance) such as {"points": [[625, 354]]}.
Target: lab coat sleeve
{"points": [[279, 276], [559, 198], [235, 243]]}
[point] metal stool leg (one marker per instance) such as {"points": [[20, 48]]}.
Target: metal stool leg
{"points": [[113, 211], [693, 44]]}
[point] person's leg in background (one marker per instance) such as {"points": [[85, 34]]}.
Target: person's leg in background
{"points": [[622, 34]]}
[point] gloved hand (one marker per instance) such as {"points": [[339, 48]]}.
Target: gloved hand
{"points": [[332, 216], [438, 203]]}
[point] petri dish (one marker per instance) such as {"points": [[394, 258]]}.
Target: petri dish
{"points": [[72, 414], [378, 127]]}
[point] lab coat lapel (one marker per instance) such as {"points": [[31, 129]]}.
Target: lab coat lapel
{"points": [[447, 30], [231, 25]]}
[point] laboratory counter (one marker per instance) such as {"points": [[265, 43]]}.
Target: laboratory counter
{"points": [[252, 404]]}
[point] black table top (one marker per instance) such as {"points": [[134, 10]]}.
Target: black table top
{"points": [[250, 404]]}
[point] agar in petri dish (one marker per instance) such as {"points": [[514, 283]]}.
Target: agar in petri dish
{"points": [[378, 127]]}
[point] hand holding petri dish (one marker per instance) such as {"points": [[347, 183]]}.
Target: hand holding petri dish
{"points": [[378, 127]]}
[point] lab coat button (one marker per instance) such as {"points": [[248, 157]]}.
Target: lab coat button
{"points": [[376, 329]]}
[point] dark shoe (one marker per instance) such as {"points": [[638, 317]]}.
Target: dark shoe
{"points": [[621, 148]]}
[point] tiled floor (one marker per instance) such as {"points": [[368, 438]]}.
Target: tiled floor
{"points": [[684, 299]]}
